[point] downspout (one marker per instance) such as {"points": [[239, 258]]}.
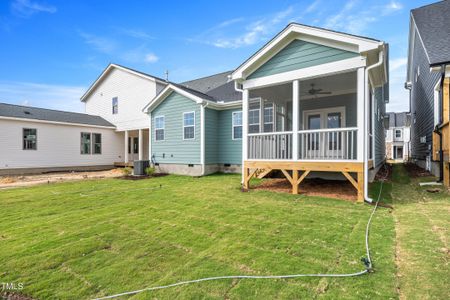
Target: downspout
{"points": [[366, 122], [438, 128], [203, 136]]}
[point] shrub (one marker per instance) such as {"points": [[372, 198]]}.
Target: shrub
{"points": [[127, 171], [149, 171]]}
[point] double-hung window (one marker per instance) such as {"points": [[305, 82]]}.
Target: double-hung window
{"points": [[189, 125], [159, 128], [85, 143], [268, 117], [97, 143], [253, 117], [29, 139], [237, 125], [398, 133], [115, 105]]}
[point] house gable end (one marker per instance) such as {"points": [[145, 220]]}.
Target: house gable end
{"points": [[300, 54]]}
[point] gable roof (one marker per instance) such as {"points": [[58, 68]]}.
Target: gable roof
{"points": [[120, 67], [433, 24], [398, 119], [347, 41], [43, 114], [218, 86]]}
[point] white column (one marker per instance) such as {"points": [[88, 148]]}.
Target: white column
{"points": [[360, 99], [126, 146], [261, 115], [295, 117], [150, 139], [141, 144], [245, 96]]}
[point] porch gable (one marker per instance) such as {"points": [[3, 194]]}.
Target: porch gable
{"points": [[300, 54]]}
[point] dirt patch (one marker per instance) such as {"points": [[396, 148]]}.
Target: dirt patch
{"points": [[14, 296], [131, 177], [312, 187], [28, 180], [385, 173], [416, 171]]}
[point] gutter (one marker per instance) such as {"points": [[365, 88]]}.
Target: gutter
{"points": [[439, 126], [366, 126]]}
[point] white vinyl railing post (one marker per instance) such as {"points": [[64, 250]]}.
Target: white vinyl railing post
{"points": [[295, 117]]}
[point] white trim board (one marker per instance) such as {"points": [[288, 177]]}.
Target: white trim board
{"points": [[328, 69]]}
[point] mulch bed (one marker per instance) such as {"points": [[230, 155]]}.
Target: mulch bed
{"points": [[416, 171], [312, 187], [384, 173]]}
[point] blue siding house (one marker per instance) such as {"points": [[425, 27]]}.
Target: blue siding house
{"points": [[309, 103]]}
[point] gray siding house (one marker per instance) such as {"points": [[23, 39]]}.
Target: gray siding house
{"points": [[428, 75]]}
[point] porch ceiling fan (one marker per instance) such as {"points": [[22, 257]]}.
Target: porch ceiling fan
{"points": [[313, 91]]}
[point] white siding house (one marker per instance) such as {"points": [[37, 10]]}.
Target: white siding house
{"points": [[118, 96]]}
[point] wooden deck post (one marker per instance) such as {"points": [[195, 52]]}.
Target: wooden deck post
{"points": [[360, 186], [245, 183], [295, 182]]}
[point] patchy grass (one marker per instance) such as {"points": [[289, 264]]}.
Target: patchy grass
{"points": [[88, 239], [422, 234]]}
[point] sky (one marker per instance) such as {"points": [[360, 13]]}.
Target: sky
{"points": [[51, 51]]}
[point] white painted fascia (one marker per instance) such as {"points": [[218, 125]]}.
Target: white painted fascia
{"points": [[225, 105], [106, 72], [307, 73], [169, 89], [55, 122], [293, 31]]}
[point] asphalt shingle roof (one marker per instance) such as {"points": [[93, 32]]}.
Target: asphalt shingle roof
{"points": [[217, 87], [398, 119], [433, 24], [36, 113]]}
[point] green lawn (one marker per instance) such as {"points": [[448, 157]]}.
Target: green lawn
{"points": [[80, 240], [422, 229]]}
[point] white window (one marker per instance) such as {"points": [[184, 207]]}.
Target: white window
{"points": [[189, 125], [97, 143], [159, 128], [115, 105], [85, 143], [29, 139], [237, 125], [253, 117], [268, 117], [398, 133]]}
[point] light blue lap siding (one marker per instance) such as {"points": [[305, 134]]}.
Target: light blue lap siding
{"points": [[300, 54], [230, 151], [174, 149], [211, 136]]}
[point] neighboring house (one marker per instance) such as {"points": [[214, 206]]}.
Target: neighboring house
{"points": [[398, 136], [428, 79], [35, 139], [311, 102]]}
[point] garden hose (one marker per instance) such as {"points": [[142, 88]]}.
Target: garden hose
{"points": [[366, 260]]}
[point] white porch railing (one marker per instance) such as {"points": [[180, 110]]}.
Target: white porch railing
{"points": [[328, 144], [320, 144], [271, 145]]}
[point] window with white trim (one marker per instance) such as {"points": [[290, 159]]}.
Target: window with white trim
{"points": [[97, 143], [29, 139], [398, 133], [115, 105], [159, 128], [253, 116], [237, 125], [268, 117], [85, 141], [189, 125]]}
